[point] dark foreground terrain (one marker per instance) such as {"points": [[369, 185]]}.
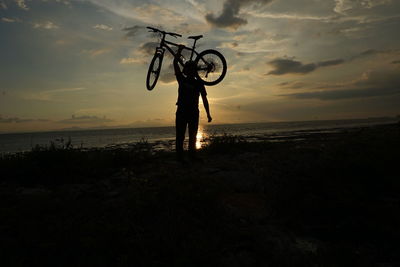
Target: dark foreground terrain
{"points": [[330, 199]]}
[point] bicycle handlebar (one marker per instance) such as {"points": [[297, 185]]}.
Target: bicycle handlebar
{"points": [[163, 32]]}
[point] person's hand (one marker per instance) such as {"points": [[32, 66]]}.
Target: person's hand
{"points": [[209, 118]]}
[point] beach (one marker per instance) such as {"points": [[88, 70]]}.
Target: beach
{"points": [[323, 198]]}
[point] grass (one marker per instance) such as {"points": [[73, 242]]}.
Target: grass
{"points": [[329, 200]]}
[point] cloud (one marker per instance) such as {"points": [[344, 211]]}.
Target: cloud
{"points": [[19, 120], [167, 74], [47, 25], [344, 6], [3, 5], [21, 4], [141, 54], [346, 94], [131, 32], [51, 95], [11, 120], [368, 52], [151, 13], [285, 66], [290, 16], [373, 52], [330, 62], [167, 77], [10, 20], [288, 65], [102, 27], [371, 84], [85, 119], [292, 85], [97, 52], [148, 48], [229, 17], [132, 60]]}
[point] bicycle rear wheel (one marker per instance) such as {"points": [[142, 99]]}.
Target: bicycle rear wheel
{"points": [[211, 67], [154, 71]]}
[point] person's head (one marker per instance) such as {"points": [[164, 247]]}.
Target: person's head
{"points": [[189, 69]]}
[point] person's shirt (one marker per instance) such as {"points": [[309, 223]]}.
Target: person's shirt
{"points": [[188, 92]]}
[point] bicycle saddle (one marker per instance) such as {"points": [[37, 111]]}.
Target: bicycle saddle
{"points": [[195, 37]]}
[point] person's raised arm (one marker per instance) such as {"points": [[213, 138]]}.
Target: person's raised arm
{"points": [[178, 54], [206, 106]]}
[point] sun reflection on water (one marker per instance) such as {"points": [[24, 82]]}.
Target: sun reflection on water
{"points": [[199, 137]]}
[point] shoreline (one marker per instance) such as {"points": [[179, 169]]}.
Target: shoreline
{"points": [[167, 144], [162, 137], [385, 119]]}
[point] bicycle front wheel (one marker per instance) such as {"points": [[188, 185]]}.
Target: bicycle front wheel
{"points": [[211, 67], [154, 71]]}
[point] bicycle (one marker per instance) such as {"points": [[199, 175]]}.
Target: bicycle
{"points": [[211, 64]]}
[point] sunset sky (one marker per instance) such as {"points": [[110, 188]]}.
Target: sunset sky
{"points": [[70, 63]]}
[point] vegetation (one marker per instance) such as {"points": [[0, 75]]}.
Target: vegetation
{"points": [[327, 200]]}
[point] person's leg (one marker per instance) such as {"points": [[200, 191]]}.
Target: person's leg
{"points": [[193, 128], [180, 126]]}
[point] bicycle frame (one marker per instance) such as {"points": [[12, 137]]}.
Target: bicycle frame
{"points": [[166, 44]]}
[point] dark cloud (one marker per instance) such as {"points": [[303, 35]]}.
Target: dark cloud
{"points": [[284, 84], [292, 85], [374, 84], [132, 32], [13, 120], [285, 66], [373, 52], [148, 48], [168, 75], [346, 93], [330, 63], [366, 53], [229, 17], [19, 120], [3, 5], [369, 52], [288, 65], [85, 119]]}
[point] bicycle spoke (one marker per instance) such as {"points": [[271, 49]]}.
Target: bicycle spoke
{"points": [[210, 67]]}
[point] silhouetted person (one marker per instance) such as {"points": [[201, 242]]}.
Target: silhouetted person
{"points": [[187, 114]]}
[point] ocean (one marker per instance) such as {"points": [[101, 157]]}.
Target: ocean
{"points": [[163, 137]]}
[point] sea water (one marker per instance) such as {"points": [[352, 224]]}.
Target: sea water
{"points": [[19, 142]]}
